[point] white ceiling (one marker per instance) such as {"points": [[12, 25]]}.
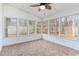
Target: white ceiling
{"points": [[56, 7]]}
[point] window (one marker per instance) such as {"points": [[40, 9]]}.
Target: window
{"points": [[31, 27], [53, 26], [39, 27], [45, 27], [22, 27], [10, 27], [68, 26]]}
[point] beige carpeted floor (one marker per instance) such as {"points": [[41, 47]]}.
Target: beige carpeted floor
{"points": [[38, 48]]}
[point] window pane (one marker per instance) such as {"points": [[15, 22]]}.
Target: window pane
{"points": [[31, 27], [53, 27], [22, 27], [45, 27], [68, 26], [38, 27], [10, 28]]}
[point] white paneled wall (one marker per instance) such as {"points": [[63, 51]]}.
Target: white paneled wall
{"points": [[1, 25], [74, 44], [10, 41]]}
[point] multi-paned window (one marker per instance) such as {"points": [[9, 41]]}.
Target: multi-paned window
{"points": [[31, 27], [22, 27], [19, 27], [64, 26], [10, 27], [53, 26], [45, 27], [39, 27], [68, 26]]}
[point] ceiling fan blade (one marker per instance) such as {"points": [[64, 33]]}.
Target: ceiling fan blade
{"points": [[48, 7], [34, 5]]}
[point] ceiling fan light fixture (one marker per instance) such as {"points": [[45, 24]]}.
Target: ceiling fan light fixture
{"points": [[42, 7]]}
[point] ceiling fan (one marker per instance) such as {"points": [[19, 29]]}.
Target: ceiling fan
{"points": [[42, 6]]}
